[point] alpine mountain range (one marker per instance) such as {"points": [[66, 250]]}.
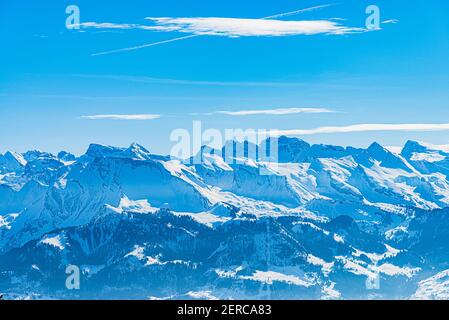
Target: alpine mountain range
{"points": [[328, 222]]}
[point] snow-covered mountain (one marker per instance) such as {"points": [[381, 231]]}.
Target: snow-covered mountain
{"points": [[328, 222]]}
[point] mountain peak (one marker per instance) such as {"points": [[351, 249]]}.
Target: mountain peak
{"points": [[134, 151], [376, 149], [375, 145], [412, 147], [291, 149], [36, 154], [98, 150], [13, 156], [66, 156], [12, 161], [387, 158], [291, 140], [136, 146]]}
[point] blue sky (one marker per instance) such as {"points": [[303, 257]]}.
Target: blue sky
{"points": [[56, 93]]}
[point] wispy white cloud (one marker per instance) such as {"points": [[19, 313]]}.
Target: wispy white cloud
{"points": [[275, 112], [231, 27], [237, 27], [122, 117], [144, 79], [364, 128]]}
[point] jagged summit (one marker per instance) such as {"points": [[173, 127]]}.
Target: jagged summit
{"points": [[11, 161], [290, 150], [134, 151], [330, 216], [375, 147], [36, 154], [66, 156], [412, 147], [387, 158]]}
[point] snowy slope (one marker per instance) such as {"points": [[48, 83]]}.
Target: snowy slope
{"points": [[323, 221]]}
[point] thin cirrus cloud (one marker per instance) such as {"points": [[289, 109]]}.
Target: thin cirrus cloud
{"points": [[234, 27], [269, 26], [363, 128], [143, 79], [122, 117], [238, 27], [275, 112]]}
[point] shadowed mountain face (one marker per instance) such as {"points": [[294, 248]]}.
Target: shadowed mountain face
{"points": [[324, 222]]}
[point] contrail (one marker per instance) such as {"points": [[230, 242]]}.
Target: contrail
{"points": [[143, 46], [280, 15], [199, 35]]}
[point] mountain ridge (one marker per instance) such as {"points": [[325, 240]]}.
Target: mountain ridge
{"points": [[331, 218]]}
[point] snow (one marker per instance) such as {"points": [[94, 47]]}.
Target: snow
{"points": [[153, 298], [329, 174], [228, 274], [392, 270], [137, 252], [54, 241], [91, 270], [138, 206], [362, 268], [356, 267], [379, 190], [444, 148], [153, 261], [401, 183], [330, 293], [396, 233], [387, 207], [206, 218], [175, 167], [429, 157], [215, 162], [201, 295], [7, 220], [269, 277], [394, 149], [339, 238], [375, 257], [310, 225], [434, 288], [19, 158], [326, 266]]}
